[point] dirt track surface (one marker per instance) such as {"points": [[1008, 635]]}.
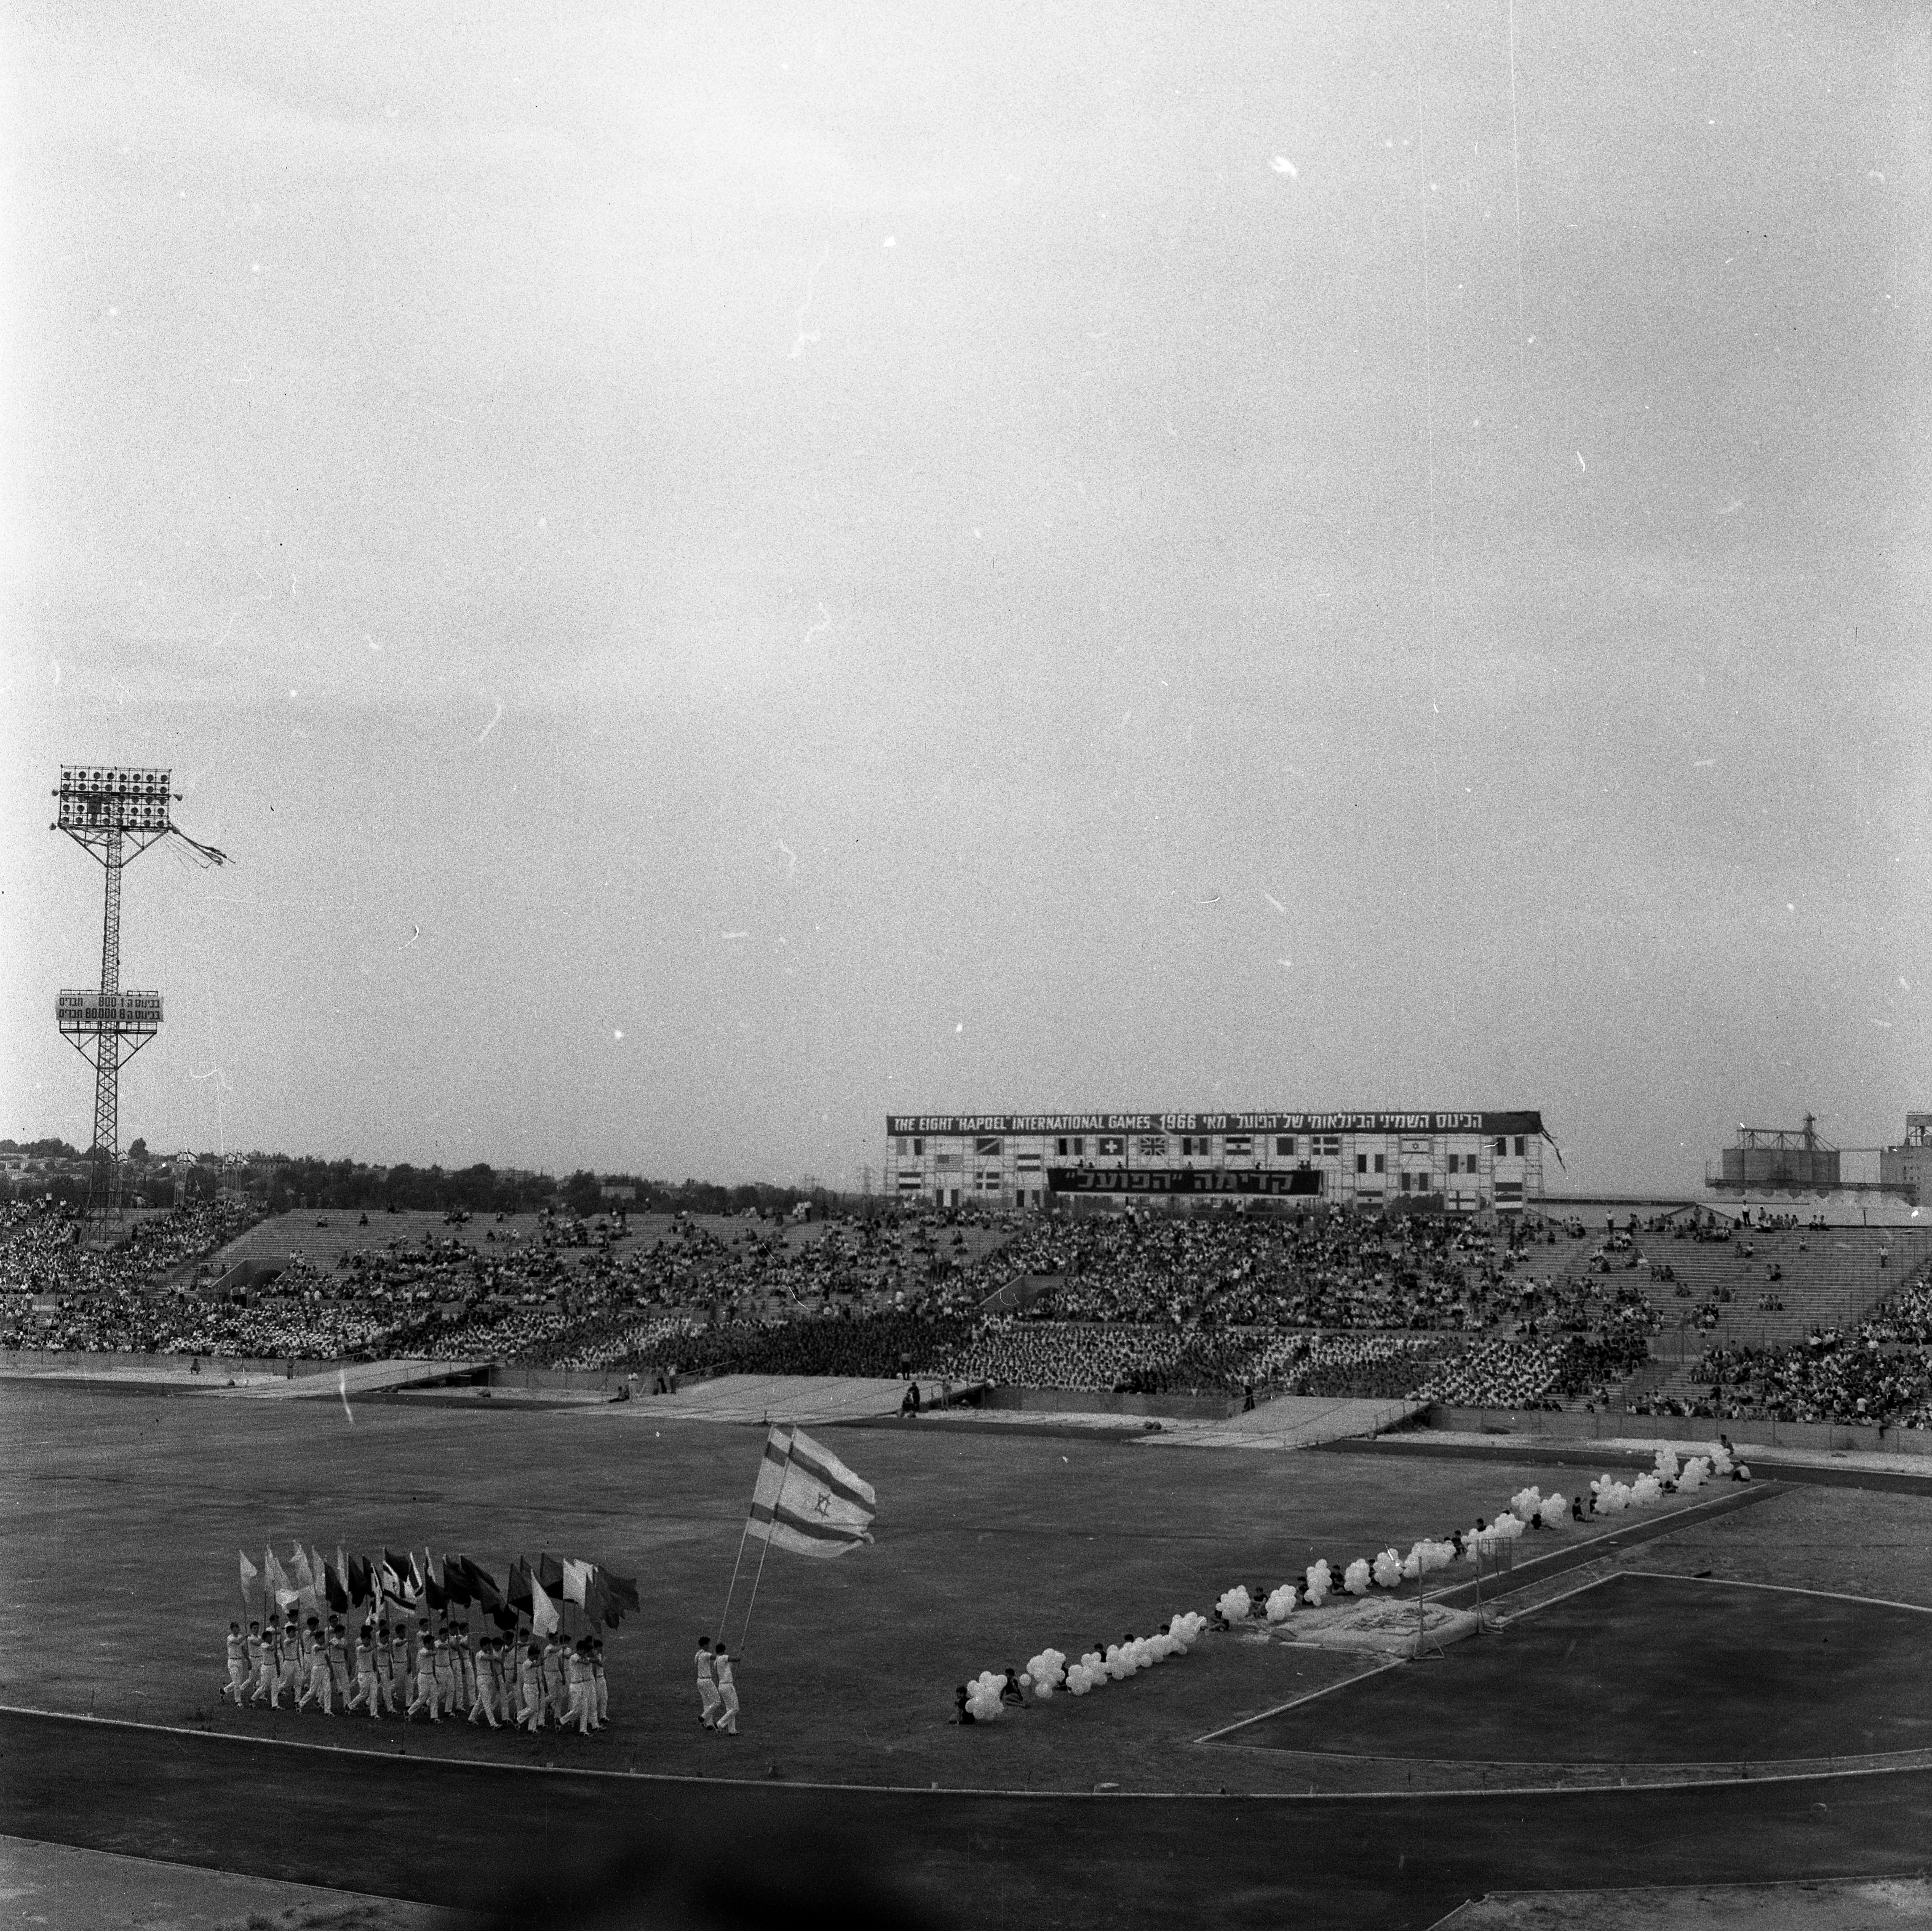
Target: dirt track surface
{"points": [[470, 1835]]}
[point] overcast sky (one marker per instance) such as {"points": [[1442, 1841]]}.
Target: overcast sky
{"points": [[721, 569]]}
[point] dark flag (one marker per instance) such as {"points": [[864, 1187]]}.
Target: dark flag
{"points": [[483, 1587], [456, 1580], [434, 1595], [335, 1589], [622, 1589], [517, 1594], [597, 1603], [550, 1573], [361, 1581]]}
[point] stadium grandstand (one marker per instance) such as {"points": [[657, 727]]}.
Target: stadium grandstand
{"points": [[1684, 1311]]}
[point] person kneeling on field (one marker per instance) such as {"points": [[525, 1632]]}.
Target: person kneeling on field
{"points": [[960, 1714]]}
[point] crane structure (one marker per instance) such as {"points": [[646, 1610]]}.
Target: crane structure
{"points": [[113, 812]]}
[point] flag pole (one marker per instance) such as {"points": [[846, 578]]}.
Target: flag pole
{"points": [[725, 1618], [730, 1593], [755, 1581], [777, 1502]]}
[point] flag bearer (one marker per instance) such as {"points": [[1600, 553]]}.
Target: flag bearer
{"points": [[269, 1666], [577, 1708], [289, 1660], [556, 1702], [392, 1674], [707, 1686], [425, 1697], [237, 1664], [447, 1677], [727, 1694], [488, 1677], [363, 1697], [321, 1678], [337, 1642], [598, 1683], [466, 1671], [530, 1683]]}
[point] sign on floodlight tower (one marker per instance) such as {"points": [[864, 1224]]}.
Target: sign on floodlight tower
{"points": [[106, 809]]}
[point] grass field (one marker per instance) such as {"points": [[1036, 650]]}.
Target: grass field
{"points": [[123, 1514], [1642, 1668]]}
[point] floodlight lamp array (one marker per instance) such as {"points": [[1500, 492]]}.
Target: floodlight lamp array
{"points": [[105, 797]]}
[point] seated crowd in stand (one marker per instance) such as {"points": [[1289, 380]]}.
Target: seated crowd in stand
{"points": [[1215, 1302], [1322, 1303], [1881, 1374]]}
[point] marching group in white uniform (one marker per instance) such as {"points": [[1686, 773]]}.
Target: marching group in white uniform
{"points": [[534, 1684]]}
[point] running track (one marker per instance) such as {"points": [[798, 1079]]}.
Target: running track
{"points": [[468, 1834]]}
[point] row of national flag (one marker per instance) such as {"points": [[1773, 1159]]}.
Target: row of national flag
{"points": [[309, 1580]]}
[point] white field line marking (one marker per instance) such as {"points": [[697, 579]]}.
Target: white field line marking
{"points": [[1306, 1696], [1922, 1759], [1504, 1619], [1781, 1588]]}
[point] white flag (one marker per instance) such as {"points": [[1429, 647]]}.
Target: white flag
{"points": [[543, 1611], [576, 1574], [807, 1500]]}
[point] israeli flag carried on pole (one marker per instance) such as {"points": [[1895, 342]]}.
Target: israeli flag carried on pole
{"points": [[807, 1500]]}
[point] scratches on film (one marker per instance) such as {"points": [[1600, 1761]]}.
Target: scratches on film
{"points": [[801, 340]]}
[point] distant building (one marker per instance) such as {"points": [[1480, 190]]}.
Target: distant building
{"points": [[1907, 1168], [1462, 1162], [1791, 1160]]}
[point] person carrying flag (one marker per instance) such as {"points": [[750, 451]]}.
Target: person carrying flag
{"points": [[425, 1696], [321, 1677], [335, 1642], [484, 1703], [727, 1693], [598, 1686], [363, 1696], [238, 1664], [466, 1670], [577, 1690], [269, 1666], [530, 1683], [447, 1677], [391, 1669], [707, 1684], [288, 1658], [555, 1697]]}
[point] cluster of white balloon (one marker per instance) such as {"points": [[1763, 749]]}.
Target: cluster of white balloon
{"points": [[1049, 1671], [1668, 1475], [1529, 1508]]}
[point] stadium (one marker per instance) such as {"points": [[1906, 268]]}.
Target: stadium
{"points": [[1288, 1443], [1045, 1065]]}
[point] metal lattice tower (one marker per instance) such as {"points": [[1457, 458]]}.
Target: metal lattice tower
{"points": [[106, 808]]}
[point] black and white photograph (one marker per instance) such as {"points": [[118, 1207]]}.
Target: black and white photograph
{"points": [[864, 862]]}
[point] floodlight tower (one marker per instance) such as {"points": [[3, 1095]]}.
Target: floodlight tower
{"points": [[106, 808]]}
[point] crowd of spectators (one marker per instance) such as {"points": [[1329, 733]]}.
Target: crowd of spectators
{"points": [[1522, 1315], [1879, 1373]]}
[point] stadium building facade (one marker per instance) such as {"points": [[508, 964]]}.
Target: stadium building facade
{"points": [[1461, 1162]]}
